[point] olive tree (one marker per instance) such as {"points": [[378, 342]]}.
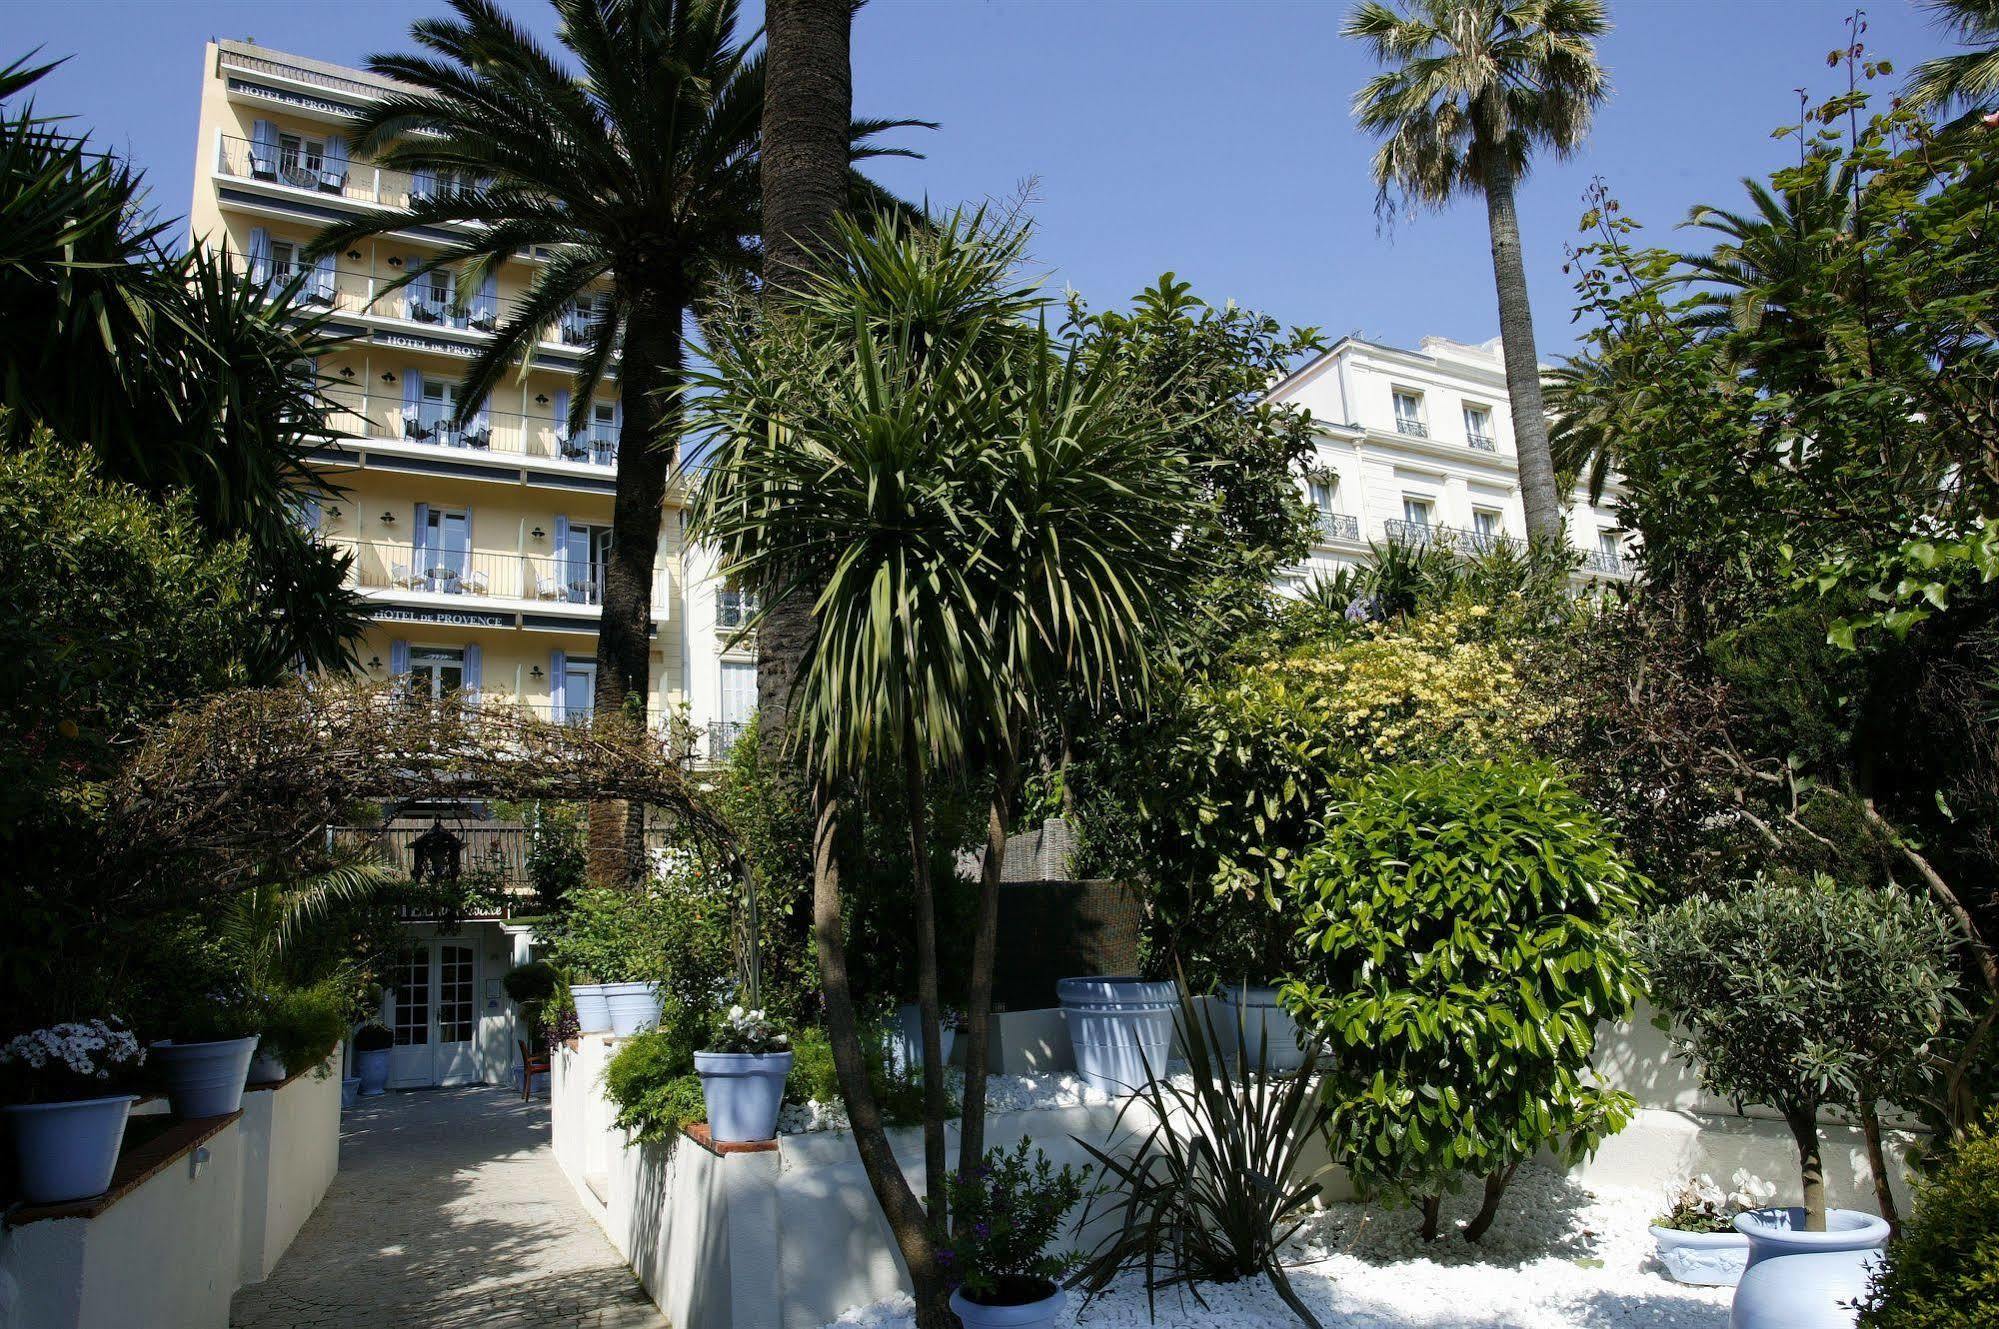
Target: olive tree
{"points": [[1464, 933], [1804, 994]]}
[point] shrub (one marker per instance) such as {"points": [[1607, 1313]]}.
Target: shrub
{"points": [[373, 1037], [610, 935], [555, 859], [1215, 1188], [1007, 1212], [1943, 1272], [301, 1025], [814, 1079], [1801, 995], [531, 985], [652, 1082], [1463, 928]]}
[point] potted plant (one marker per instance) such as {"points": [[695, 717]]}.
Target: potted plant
{"points": [[1121, 1028], [1252, 1009], [301, 1025], [372, 1042], [1800, 994], [742, 1076], [1006, 1213], [203, 1071], [1697, 1239], [67, 1118]]}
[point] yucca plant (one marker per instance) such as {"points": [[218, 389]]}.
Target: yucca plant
{"points": [[1217, 1185]]}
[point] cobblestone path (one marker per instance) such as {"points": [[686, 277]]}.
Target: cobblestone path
{"points": [[448, 1213]]}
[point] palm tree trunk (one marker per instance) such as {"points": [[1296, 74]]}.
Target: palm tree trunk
{"points": [[1523, 367], [899, 1205], [979, 986], [808, 105], [935, 1100], [648, 445]]}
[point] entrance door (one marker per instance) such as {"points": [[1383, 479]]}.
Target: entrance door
{"points": [[432, 1014]]}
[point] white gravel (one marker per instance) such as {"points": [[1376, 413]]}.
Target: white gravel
{"points": [[1559, 1257]]}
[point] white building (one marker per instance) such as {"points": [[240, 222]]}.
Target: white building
{"points": [[1418, 446]]}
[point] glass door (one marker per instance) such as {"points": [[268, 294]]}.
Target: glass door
{"points": [[432, 1012], [408, 1000], [456, 1021]]}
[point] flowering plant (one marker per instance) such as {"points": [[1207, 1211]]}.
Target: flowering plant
{"points": [[753, 1032], [1703, 1206], [1007, 1211], [86, 1059]]}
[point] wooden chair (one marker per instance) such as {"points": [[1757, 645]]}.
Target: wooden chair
{"points": [[531, 1066]]}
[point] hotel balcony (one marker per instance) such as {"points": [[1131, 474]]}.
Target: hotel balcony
{"points": [[365, 292], [468, 580], [324, 174], [1450, 537], [1339, 527], [366, 415]]}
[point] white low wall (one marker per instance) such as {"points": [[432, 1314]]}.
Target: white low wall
{"points": [[790, 1236], [170, 1250]]}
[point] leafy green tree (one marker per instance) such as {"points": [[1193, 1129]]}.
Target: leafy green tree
{"points": [[1464, 926], [1942, 1272], [1472, 88], [1804, 995], [182, 378], [985, 519], [640, 171]]}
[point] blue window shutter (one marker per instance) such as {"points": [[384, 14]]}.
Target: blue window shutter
{"points": [[264, 147], [260, 254], [399, 657], [561, 419], [562, 557], [420, 538], [412, 398], [482, 417], [488, 299], [323, 277], [336, 160], [423, 182], [558, 684], [474, 664]]}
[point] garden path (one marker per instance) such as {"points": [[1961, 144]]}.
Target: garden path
{"points": [[448, 1213]]}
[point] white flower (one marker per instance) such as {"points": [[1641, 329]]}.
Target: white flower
{"points": [[736, 1013]]}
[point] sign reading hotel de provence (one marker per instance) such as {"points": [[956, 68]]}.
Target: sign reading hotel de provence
{"points": [[456, 618]]}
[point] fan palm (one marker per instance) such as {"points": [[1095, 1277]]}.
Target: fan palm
{"points": [[976, 515], [1970, 79], [642, 171], [1471, 89]]}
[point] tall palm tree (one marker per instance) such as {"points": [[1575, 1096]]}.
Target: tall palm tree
{"points": [[1970, 79], [975, 514], [640, 170], [1471, 89]]}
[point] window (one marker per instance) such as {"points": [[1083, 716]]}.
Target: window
{"points": [[1409, 413], [1478, 427], [434, 411], [1416, 511], [412, 999], [1608, 544], [436, 672], [454, 994], [443, 550], [734, 607], [433, 297], [301, 160], [1486, 522], [1325, 494], [604, 432], [579, 690], [583, 560]]}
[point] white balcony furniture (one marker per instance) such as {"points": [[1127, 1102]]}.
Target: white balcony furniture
{"points": [[399, 577], [546, 589], [476, 583]]}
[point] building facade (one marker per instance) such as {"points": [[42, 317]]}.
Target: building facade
{"points": [[480, 548], [1417, 446]]}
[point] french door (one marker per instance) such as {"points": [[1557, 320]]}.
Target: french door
{"points": [[434, 1017]]}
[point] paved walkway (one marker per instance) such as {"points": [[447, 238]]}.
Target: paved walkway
{"points": [[448, 1213]]}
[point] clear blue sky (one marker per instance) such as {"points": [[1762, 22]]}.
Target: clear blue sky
{"points": [[1210, 138]]}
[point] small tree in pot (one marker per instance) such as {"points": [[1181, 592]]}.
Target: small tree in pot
{"points": [[1804, 995], [1007, 1211]]}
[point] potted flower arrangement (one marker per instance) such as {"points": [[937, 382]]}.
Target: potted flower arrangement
{"points": [[1007, 1212], [742, 1076], [68, 1120], [203, 1071], [372, 1042], [1697, 1239]]}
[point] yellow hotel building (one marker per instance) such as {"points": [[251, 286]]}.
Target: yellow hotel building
{"points": [[480, 549]]}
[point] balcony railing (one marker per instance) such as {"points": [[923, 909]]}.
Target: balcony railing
{"points": [[319, 173], [1413, 428], [1451, 537], [722, 736], [361, 414], [1611, 565], [1482, 442], [734, 609], [1338, 526], [1409, 532], [532, 579]]}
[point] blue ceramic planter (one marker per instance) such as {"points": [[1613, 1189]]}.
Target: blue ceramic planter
{"points": [[204, 1079], [743, 1091], [593, 1007], [67, 1151], [1804, 1280], [1704, 1259], [632, 1007], [374, 1072], [1028, 1315], [1121, 1028]]}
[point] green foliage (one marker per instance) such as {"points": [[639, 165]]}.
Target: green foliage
{"points": [[1464, 932], [1942, 1270], [535, 981], [652, 1082], [555, 858], [1804, 993], [1008, 1210], [1218, 1184], [813, 1078], [373, 1037], [611, 935], [301, 1025]]}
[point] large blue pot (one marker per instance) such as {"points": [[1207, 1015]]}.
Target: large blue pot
{"points": [[1804, 1280], [1251, 1014], [67, 1151], [593, 1007], [204, 1079], [1121, 1028], [631, 1007], [743, 1091], [373, 1068], [1024, 1315]]}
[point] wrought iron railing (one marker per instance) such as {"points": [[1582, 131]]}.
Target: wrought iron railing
{"points": [[1482, 442], [1413, 428], [1338, 526], [722, 736], [438, 570], [359, 413]]}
